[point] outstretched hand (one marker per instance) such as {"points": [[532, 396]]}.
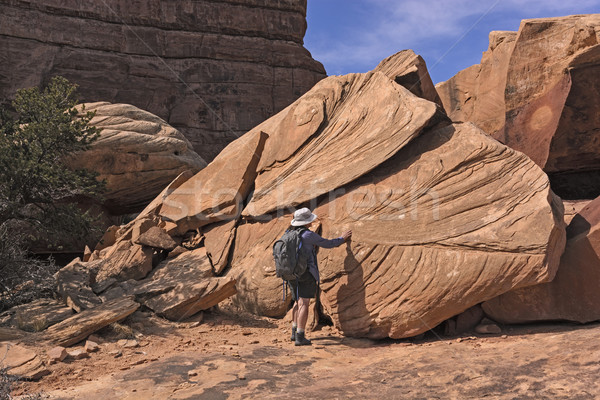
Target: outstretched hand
{"points": [[347, 236]]}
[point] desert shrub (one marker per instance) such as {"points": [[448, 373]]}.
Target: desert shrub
{"points": [[23, 278], [38, 133]]}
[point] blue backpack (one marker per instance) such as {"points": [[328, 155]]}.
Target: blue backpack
{"points": [[289, 263]]}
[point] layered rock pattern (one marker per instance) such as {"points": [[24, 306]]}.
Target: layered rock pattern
{"points": [[344, 127], [212, 69], [137, 154], [573, 294], [441, 226], [537, 92]]}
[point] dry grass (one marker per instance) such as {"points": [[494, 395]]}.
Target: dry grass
{"points": [[121, 331]]}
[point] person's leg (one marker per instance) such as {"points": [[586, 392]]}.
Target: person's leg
{"points": [[295, 313], [302, 313], [293, 285], [302, 318], [294, 320]]}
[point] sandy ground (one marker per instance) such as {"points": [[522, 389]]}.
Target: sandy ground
{"points": [[232, 356]]}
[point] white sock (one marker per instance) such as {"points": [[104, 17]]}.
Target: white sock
{"points": [[294, 325]]}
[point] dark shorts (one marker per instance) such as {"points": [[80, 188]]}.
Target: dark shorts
{"points": [[305, 287]]}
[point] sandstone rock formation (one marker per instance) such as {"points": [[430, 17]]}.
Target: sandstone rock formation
{"points": [[537, 92], [218, 242], [73, 285], [573, 294], [259, 289], [156, 238], [476, 94], [444, 217], [138, 154], [212, 69], [436, 232]]}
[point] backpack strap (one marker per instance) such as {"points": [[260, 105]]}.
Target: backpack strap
{"points": [[284, 284]]}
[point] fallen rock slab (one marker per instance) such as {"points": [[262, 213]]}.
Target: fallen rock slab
{"points": [[218, 191], [192, 266], [187, 299], [435, 231], [218, 242], [157, 238], [36, 315], [260, 291], [80, 326], [127, 261]]}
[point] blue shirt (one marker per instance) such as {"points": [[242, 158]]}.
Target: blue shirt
{"points": [[310, 242]]}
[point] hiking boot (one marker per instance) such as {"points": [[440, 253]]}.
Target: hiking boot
{"points": [[301, 340], [293, 339]]}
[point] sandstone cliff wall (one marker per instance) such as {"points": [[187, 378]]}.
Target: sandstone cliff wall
{"points": [[212, 69]]}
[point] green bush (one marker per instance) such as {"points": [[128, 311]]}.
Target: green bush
{"points": [[37, 190]]}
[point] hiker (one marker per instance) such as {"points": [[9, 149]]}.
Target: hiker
{"points": [[306, 286]]}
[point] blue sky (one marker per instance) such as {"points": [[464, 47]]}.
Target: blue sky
{"points": [[354, 35]]}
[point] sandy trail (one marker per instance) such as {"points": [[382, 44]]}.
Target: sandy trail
{"points": [[232, 357]]}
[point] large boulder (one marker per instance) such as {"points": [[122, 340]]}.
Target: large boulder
{"points": [[538, 93], [453, 219], [573, 294], [137, 154], [213, 69]]}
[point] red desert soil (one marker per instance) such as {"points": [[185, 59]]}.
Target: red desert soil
{"points": [[229, 355]]}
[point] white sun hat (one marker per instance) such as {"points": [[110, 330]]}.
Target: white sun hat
{"points": [[303, 216]]}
